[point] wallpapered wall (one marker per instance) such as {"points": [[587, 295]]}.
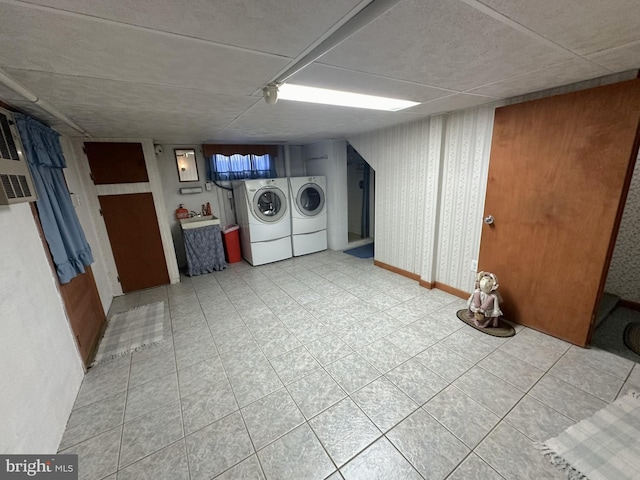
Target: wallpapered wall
{"points": [[430, 187], [624, 273], [465, 168], [406, 186], [431, 178]]}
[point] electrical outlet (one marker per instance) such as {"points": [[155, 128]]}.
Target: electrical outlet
{"points": [[474, 265]]}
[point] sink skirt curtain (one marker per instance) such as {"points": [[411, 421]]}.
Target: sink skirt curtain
{"points": [[204, 249]]}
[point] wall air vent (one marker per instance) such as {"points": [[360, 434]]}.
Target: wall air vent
{"points": [[16, 185]]}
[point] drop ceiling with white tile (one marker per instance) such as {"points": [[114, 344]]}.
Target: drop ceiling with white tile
{"points": [[192, 71]]}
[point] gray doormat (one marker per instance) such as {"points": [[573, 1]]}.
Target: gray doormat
{"points": [[128, 332], [502, 330], [609, 336]]}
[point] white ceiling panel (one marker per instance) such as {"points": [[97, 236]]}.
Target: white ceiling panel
{"points": [[381, 120], [302, 121], [31, 109], [325, 76], [456, 101], [548, 77], [191, 71], [166, 127], [443, 44], [583, 26], [64, 90], [283, 27], [621, 58], [71, 45], [8, 95]]}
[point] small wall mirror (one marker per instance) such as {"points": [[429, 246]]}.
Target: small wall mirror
{"points": [[187, 165]]}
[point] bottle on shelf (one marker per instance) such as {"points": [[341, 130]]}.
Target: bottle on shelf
{"points": [[182, 212]]}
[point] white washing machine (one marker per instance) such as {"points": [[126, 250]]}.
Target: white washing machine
{"points": [[308, 214], [262, 211]]}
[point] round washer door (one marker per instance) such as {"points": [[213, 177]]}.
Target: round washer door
{"points": [[310, 199], [269, 204]]}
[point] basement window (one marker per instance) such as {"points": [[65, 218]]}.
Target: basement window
{"points": [[239, 167]]}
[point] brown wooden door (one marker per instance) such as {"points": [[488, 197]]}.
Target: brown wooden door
{"points": [[84, 310], [112, 163], [135, 240], [558, 176], [82, 303]]}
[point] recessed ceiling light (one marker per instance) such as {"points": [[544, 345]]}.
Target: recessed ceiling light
{"points": [[300, 93]]}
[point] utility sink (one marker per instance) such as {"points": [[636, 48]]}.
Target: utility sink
{"points": [[197, 222]]}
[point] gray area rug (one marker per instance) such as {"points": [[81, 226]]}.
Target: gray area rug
{"points": [[609, 335], [130, 331], [603, 446]]}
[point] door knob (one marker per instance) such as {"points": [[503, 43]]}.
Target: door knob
{"points": [[489, 219]]}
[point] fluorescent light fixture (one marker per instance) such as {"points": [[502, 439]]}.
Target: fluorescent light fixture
{"points": [[300, 93]]}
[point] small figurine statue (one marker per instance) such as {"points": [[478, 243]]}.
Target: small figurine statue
{"points": [[484, 303]]}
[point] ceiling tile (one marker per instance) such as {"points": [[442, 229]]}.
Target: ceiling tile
{"points": [[32, 110], [457, 101], [297, 120], [573, 87], [70, 45], [166, 127], [621, 58], [283, 27], [583, 26], [444, 44], [325, 76], [111, 68], [548, 77], [8, 95], [62, 90]]}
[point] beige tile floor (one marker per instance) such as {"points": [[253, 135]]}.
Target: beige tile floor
{"points": [[325, 366]]}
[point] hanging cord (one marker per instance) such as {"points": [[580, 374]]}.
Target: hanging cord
{"points": [[221, 186]]}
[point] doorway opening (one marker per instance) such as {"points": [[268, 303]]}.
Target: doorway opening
{"points": [[620, 303], [360, 199]]}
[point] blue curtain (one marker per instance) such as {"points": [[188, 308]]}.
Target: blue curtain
{"points": [[68, 245], [238, 167]]}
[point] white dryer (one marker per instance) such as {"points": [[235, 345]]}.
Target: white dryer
{"points": [[308, 214], [262, 211]]}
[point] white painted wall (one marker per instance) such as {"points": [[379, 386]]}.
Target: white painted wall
{"points": [[296, 164], [40, 367], [221, 206], [154, 186], [334, 168], [624, 273]]}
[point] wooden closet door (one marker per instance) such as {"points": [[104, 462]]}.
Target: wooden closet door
{"points": [[135, 240], [558, 177], [113, 162]]}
